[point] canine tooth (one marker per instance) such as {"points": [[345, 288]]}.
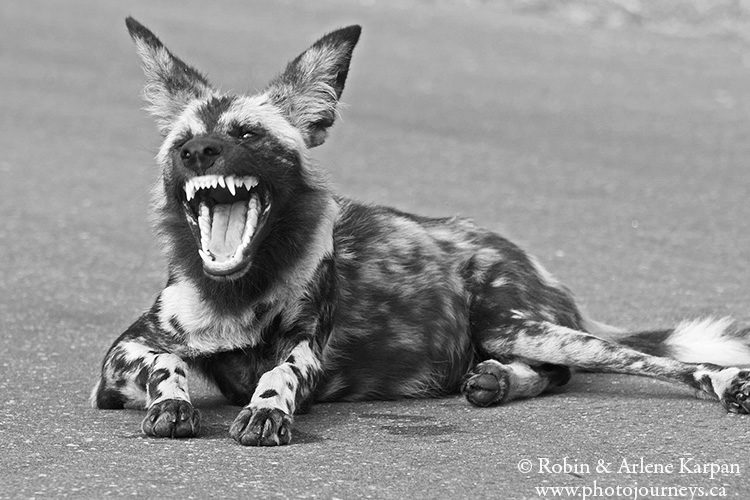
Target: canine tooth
{"points": [[207, 257], [251, 221], [230, 185]]}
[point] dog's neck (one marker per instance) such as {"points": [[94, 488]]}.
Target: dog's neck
{"points": [[294, 262]]}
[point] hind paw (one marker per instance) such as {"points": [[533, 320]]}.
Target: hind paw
{"points": [[736, 397], [486, 384]]}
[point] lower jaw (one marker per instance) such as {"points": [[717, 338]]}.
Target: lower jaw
{"points": [[230, 275]]}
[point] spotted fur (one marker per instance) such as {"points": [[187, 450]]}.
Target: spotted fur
{"points": [[327, 299]]}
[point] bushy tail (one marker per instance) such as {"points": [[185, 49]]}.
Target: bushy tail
{"points": [[708, 340]]}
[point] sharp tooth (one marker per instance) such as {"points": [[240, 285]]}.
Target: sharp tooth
{"points": [[253, 204], [214, 181], [250, 182], [230, 185], [251, 221], [222, 183], [207, 257]]}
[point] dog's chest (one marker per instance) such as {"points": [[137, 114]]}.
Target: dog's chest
{"points": [[198, 328]]}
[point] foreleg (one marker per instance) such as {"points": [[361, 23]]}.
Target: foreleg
{"points": [[267, 419], [136, 373]]}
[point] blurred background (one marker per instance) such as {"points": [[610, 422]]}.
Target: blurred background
{"points": [[682, 18], [609, 138]]}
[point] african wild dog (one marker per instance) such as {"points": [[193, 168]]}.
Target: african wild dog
{"points": [[283, 293]]}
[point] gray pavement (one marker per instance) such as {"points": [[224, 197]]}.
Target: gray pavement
{"points": [[618, 157]]}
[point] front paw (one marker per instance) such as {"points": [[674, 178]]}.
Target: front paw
{"points": [[736, 397], [174, 418], [262, 427]]}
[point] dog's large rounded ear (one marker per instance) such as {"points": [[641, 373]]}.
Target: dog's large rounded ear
{"points": [[170, 83], [310, 87]]}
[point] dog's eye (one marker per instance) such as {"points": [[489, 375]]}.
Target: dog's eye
{"points": [[245, 133]]}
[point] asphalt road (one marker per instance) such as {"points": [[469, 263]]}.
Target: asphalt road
{"points": [[618, 157]]}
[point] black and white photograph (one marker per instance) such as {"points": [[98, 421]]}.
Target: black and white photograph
{"points": [[437, 249]]}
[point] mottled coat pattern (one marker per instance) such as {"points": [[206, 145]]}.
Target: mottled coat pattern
{"points": [[282, 293]]}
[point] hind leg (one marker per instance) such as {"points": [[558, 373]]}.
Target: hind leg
{"points": [[544, 342], [492, 382]]}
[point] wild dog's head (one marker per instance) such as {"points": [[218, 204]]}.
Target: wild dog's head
{"points": [[239, 199]]}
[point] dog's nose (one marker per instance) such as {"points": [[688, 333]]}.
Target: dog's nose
{"points": [[200, 153]]}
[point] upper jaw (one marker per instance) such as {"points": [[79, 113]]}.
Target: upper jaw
{"points": [[229, 182], [226, 214]]}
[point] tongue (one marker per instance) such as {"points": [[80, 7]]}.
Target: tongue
{"points": [[226, 229]]}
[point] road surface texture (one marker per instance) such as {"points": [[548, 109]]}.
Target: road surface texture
{"points": [[619, 157]]}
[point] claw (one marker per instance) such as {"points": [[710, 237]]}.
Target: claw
{"points": [[171, 418], [261, 427]]}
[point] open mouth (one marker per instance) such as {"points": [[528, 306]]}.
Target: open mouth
{"points": [[228, 212]]}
